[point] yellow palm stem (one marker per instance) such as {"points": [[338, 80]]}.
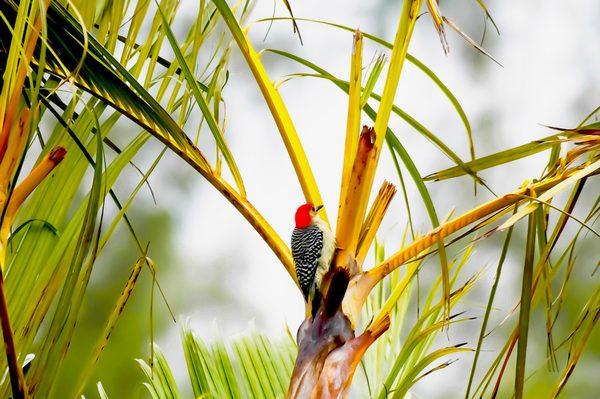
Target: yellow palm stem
{"points": [[354, 206], [352, 124], [17, 141], [408, 18], [373, 220], [362, 284]]}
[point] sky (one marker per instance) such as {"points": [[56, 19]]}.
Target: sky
{"points": [[549, 76]]}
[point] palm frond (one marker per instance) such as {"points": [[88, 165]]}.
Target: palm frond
{"points": [[249, 366]]}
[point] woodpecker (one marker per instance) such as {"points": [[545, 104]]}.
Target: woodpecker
{"points": [[313, 246]]}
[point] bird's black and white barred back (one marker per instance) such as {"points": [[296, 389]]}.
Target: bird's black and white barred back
{"points": [[307, 245]]}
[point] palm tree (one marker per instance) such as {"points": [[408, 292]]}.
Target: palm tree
{"points": [[70, 62]]}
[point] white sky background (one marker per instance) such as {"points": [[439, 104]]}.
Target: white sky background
{"points": [[550, 76]]}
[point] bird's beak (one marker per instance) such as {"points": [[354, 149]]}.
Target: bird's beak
{"points": [[318, 208]]}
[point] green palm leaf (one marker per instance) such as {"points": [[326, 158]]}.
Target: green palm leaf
{"points": [[250, 366]]}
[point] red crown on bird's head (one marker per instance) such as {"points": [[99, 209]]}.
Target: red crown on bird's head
{"points": [[304, 215]]}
